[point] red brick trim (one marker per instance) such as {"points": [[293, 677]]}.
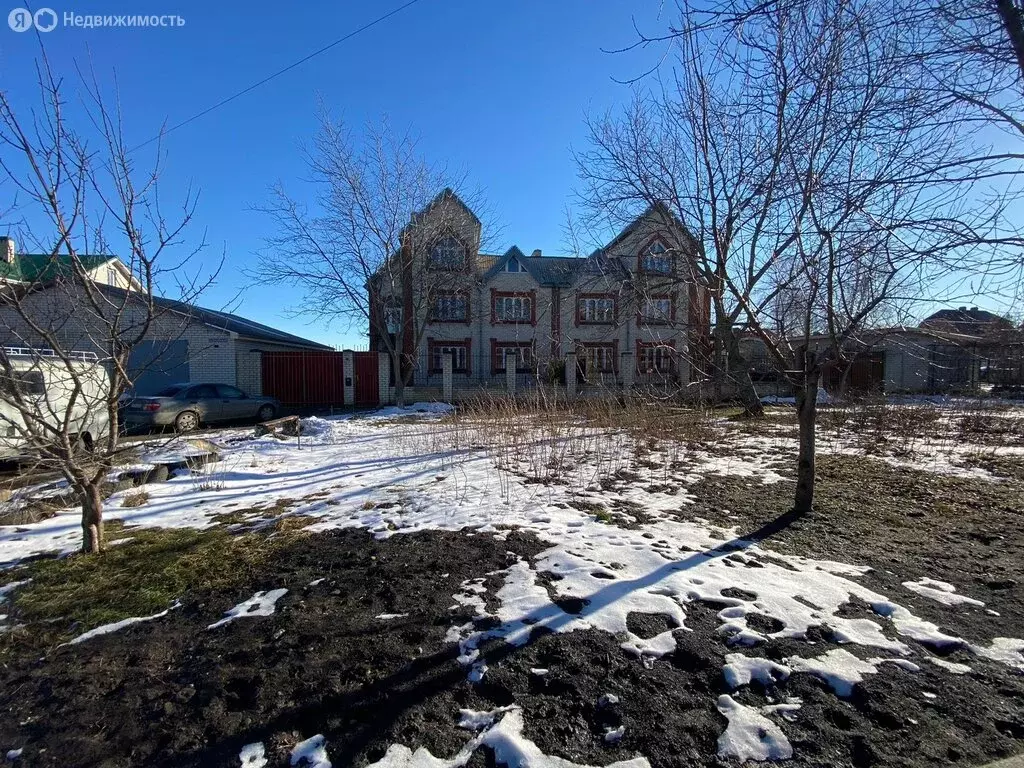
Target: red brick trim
{"points": [[531, 295], [585, 345], [669, 253], [469, 308], [467, 261], [642, 345], [496, 345], [642, 321], [433, 344], [581, 297]]}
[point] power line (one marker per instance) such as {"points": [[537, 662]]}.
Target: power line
{"points": [[277, 74]]}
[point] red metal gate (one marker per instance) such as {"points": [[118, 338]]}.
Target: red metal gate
{"points": [[304, 379], [315, 379], [367, 377]]}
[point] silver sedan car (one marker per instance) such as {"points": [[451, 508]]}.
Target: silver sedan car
{"points": [[188, 406]]}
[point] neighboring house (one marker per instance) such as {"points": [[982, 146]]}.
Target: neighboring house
{"points": [[969, 322], [997, 342], [39, 268], [185, 343], [892, 360], [632, 306]]}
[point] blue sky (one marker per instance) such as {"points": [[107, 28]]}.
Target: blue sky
{"points": [[499, 89]]}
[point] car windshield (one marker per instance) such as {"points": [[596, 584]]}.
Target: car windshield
{"points": [[169, 391]]}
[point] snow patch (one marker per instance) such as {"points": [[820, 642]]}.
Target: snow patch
{"points": [[950, 666], [750, 735], [1006, 650], [475, 720], [742, 670], [505, 738], [260, 604], [840, 669], [941, 592], [312, 753], [253, 755], [106, 629], [614, 735]]}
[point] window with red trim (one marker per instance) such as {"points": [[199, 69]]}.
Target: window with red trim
{"points": [[656, 310], [459, 351], [450, 307], [599, 358], [655, 258], [518, 353], [652, 357], [595, 309], [447, 252], [512, 308]]}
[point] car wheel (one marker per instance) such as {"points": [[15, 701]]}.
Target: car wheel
{"points": [[265, 413], [187, 421]]}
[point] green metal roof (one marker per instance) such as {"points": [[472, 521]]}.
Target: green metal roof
{"points": [[44, 267]]}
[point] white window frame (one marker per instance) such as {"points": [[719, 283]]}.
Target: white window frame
{"points": [[523, 355], [445, 302], [597, 309], [596, 354], [521, 309], [653, 313], [443, 253], [656, 262], [459, 353], [656, 359]]}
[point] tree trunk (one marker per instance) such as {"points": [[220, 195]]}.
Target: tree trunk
{"points": [[738, 372], [92, 518], [807, 417], [1013, 26]]}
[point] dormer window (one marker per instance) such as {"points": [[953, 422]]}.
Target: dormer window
{"points": [[655, 259], [448, 253], [513, 265]]}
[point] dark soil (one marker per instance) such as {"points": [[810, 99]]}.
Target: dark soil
{"points": [[171, 693]]}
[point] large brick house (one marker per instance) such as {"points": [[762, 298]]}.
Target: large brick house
{"points": [[632, 307]]}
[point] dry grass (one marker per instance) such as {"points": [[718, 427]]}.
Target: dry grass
{"points": [[584, 445], [137, 499], [140, 577]]}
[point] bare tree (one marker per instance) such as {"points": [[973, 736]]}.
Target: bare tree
{"points": [[68, 337], [381, 247], [797, 149]]}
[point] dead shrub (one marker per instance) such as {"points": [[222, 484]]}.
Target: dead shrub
{"points": [[137, 499]]}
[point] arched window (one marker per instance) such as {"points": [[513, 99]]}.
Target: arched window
{"points": [[448, 253], [655, 258]]}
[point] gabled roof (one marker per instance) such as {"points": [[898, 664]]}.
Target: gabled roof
{"points": [[555, 271], [225, 321], [973, 321], [660, 210], [44, 267], [446, 194]]}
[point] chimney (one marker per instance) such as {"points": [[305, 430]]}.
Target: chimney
{"points": [[7, 249], [535, 254]]}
